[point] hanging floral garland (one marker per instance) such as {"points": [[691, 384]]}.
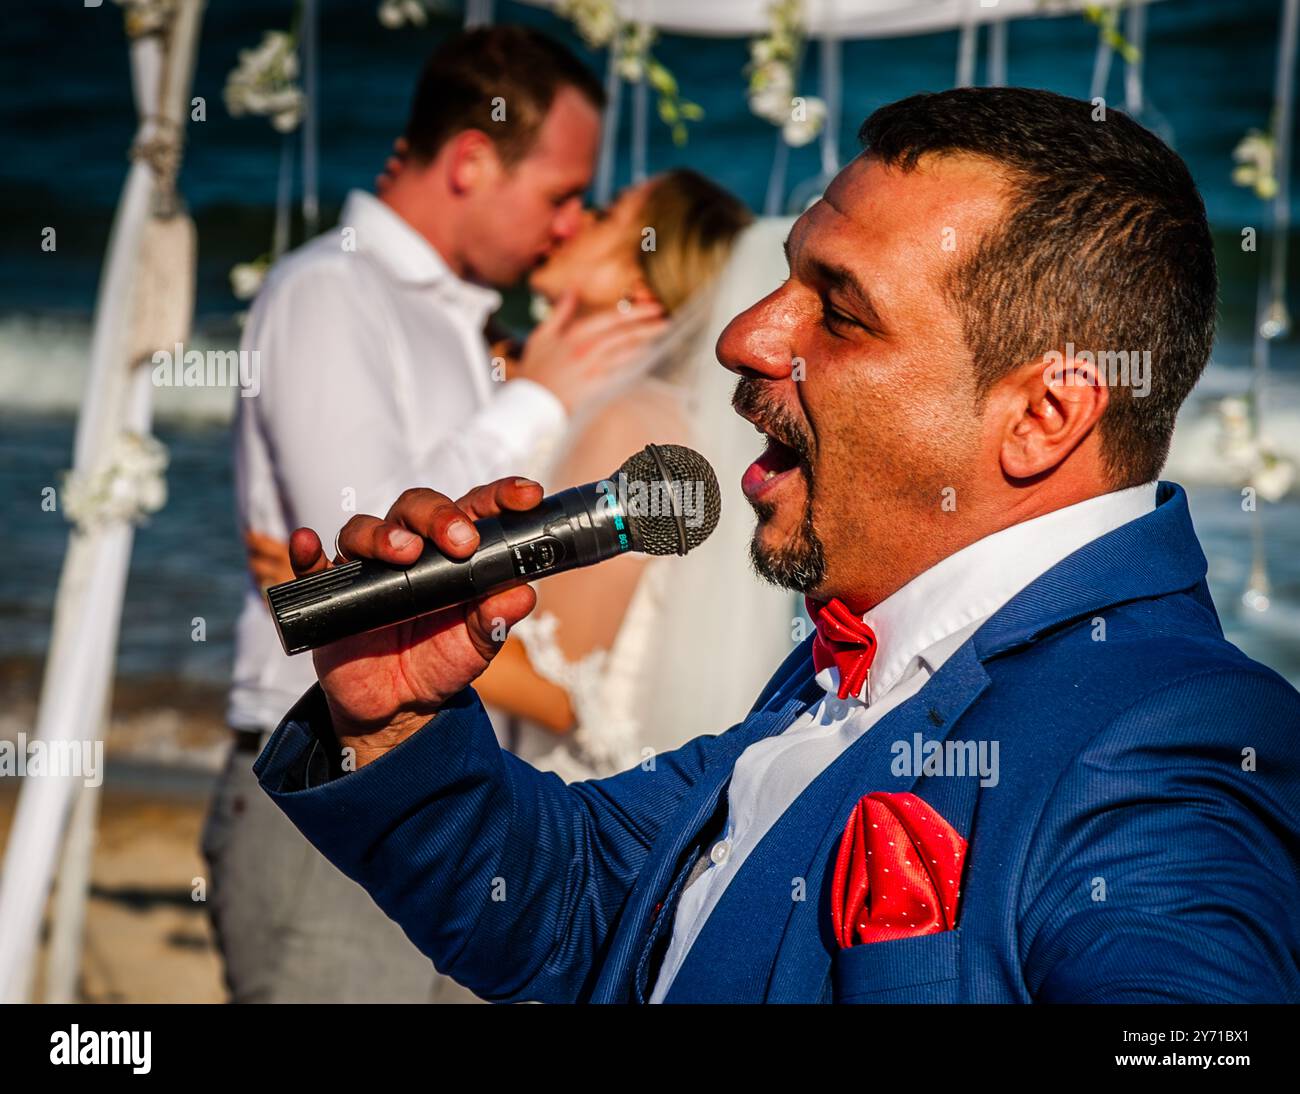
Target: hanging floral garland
{"points": [[264, 83], [1249, 458], [1256, 457], [599, 24], [1106, 18], [1256, 159], [397, 13], [773, 60]]}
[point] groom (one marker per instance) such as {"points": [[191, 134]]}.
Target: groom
{"points": [[1017, 761]]}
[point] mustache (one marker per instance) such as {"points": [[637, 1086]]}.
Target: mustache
{"points": [[751, 400]]}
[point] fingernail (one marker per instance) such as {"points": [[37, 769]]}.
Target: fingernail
{"points": [[460, 533], [400, 537], [525, 482]]}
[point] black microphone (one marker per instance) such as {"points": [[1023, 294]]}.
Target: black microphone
{"points": [[664, 500]]}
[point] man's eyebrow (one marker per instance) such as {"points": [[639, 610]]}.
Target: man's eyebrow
{"points": [[845, 280]]}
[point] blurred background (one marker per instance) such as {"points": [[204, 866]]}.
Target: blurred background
{"points": [[67, 120]]}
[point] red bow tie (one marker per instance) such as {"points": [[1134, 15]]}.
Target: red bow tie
{"points": [[844, 641]]}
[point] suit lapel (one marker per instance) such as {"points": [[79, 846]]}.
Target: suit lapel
{"points": [[783, 705], [801, 967]]}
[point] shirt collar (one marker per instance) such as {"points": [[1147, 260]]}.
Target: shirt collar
{"points": [[929, 617], [383, 234]]}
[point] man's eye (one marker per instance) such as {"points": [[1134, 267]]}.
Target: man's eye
{"points": [[836, 321]]}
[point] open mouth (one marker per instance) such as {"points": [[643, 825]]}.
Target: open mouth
{"points": [[777, 464]]}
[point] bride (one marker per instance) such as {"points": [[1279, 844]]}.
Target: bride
{"points": [[639, 654]]}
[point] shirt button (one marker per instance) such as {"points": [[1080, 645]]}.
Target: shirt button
{"points": [[721, 851]]}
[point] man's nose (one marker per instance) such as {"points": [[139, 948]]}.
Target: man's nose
{"points": [[567, 221], [757, 342]]}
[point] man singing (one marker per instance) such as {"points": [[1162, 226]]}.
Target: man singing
{"points": [[970, 502]]}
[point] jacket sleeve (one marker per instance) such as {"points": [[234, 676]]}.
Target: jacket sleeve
{"points": [[1164, 867], [507, 878]]}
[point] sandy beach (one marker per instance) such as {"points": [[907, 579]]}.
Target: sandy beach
{"points": [[147, 939]]}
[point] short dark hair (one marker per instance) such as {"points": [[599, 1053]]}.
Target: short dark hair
{"points": [[468, 71], [1105, 245]]}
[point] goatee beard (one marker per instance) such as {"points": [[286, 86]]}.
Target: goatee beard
{"points": [[799, 564]]}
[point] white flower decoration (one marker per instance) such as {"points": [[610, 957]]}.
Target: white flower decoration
{"points": [[1254, 461], [397, 13], [805, 123], [1274, 476], [263, 82], [246, 278], [635, 40], [597, 21], [771, 90], [1256, 155], [128, 488], [771, 77]]}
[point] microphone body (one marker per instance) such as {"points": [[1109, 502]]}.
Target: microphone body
{"points": [[576, 527]]}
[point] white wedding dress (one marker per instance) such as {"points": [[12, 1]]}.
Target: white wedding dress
{"points": [[701, 634]]}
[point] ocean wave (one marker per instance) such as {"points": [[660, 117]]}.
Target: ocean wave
{"points": [[43, 371], [44, 363]]}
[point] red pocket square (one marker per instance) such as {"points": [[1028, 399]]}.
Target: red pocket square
{"points": [[897, 873]]}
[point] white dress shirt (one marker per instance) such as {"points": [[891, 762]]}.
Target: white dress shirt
{"points": [[374, 376], [918, 628]]}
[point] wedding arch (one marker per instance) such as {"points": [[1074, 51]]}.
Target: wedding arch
{"points": [[145, 301]]}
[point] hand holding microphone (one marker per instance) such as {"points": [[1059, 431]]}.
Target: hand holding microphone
{"points": [[383, 685], [421, 600]]}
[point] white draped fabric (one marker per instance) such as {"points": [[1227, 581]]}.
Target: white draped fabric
{"points": [[76, 690], [843, 18]]}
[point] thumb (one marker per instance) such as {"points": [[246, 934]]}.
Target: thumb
{"points": [[305, 553], [489, 621], [566, 307]]}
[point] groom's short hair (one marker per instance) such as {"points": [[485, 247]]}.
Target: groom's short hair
{"points": [[1104, 245], [500, 80]]}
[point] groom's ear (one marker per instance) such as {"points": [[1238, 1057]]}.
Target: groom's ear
{"points": [[1044, 410], [471, 161]]}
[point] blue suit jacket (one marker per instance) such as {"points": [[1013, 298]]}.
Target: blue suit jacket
{"points": [[1141, 843]]}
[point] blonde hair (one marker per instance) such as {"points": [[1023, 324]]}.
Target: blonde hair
{"points": [[695, 222]]}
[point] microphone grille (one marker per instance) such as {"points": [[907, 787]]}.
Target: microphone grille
{"points": [[672, 498]]}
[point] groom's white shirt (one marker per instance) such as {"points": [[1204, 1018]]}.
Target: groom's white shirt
{"points": [[375, 376], [918, 628]]}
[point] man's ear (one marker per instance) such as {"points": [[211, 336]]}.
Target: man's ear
{"points": [[1048, 408], [472, 161]]}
